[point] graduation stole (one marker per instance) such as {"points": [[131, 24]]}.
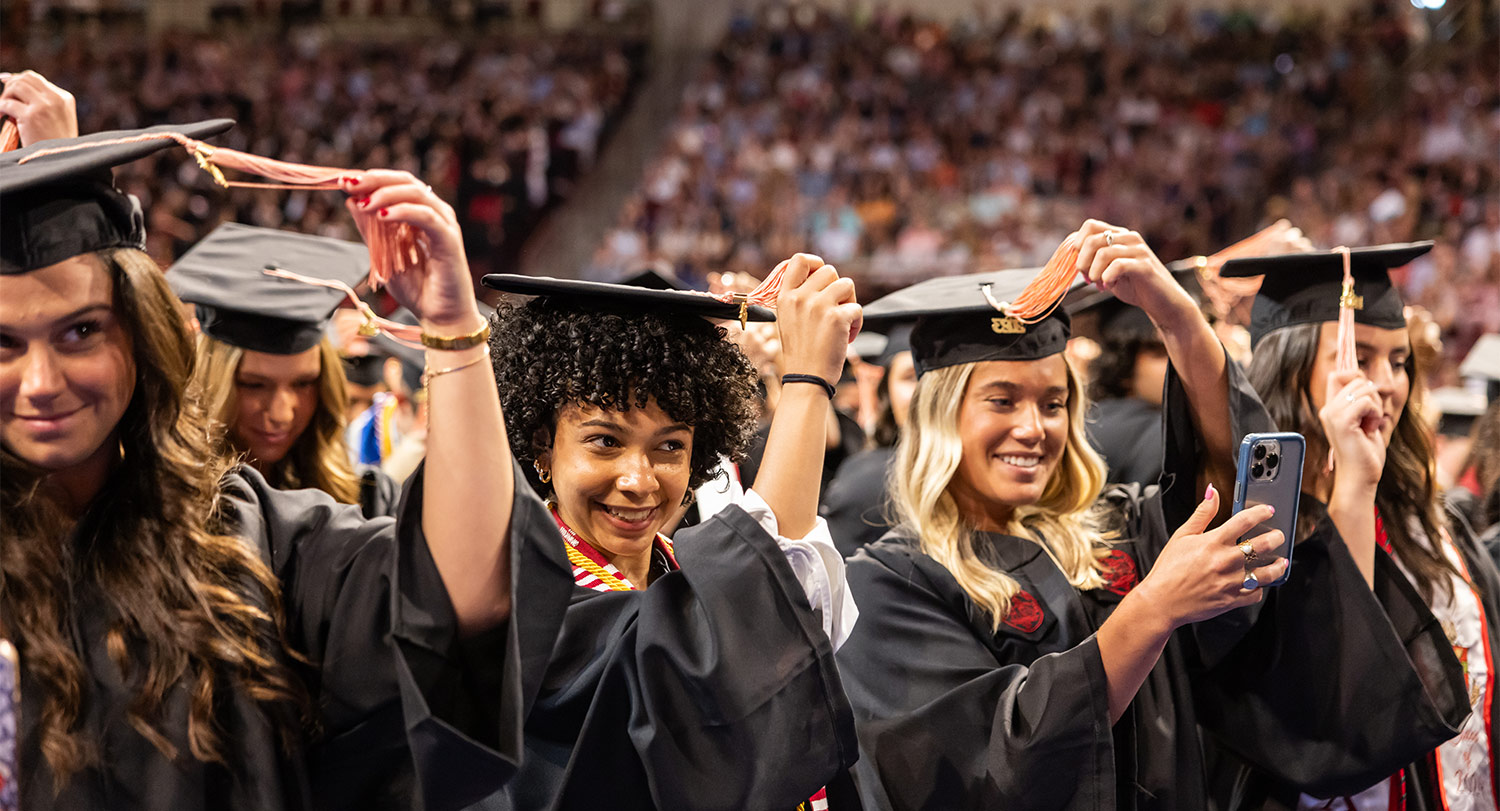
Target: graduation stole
{"points": [[591, 570]]}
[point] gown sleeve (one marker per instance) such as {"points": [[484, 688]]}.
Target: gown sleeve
{"points": [[714, 688], [949, 724], [405, 706], [1323, 658]]}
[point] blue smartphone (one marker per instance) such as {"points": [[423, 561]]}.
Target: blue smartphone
{"points": [[1270, 472]]}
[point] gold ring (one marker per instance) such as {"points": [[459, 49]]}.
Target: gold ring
{"points": [[1247, 550], [1251, 582]]}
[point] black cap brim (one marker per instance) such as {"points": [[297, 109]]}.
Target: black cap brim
{"points": [[605, 296]]}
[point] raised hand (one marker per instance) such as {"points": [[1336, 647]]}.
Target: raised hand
{"points": [[816, 315], [1119, 260], [1201, 572], [42, 110], [441, 293], [1351, 415]]}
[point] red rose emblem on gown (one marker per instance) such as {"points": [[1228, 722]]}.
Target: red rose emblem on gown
{"points": [[1025, 613], [1119, 573]]}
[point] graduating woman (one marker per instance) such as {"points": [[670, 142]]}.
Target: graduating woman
{"points": [[270, 376], [190, 637], [1369, 487], [694, 672], [1019, 642]]}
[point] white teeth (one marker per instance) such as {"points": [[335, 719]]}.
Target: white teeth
{"points": [[1021, 461], [627, 515]]}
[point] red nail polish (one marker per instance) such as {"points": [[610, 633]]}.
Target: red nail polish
{"points": [[384, 212], [364, 202]]}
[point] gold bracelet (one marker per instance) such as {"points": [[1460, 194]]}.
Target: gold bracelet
{"points": [[456, 342], [428, 373]]}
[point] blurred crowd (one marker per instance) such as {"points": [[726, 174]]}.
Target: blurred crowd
{"points": [[501, 127], [899, 148]]}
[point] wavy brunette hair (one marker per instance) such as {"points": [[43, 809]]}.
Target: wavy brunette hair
{"points": [[320, 456], [1407, 495], [549, 354], [1065, 522], [187, 605]]}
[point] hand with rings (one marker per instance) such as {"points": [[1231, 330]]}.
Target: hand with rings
{"points": [[1354, 424], [1204, 572], [1120, 261]]}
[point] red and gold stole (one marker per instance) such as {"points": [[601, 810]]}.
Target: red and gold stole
{"points": [[592, 571]]}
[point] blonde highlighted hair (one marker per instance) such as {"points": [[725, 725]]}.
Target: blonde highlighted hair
{"points": [[320, 457], [1063, 522]]}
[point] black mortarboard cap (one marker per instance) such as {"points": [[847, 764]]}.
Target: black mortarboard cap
{"points": [[1305, 288], [956, 320], [654, 279], [1483, 360], [62, 205], [1457, 409], [617, 297], [239, 304], [898, 340]]}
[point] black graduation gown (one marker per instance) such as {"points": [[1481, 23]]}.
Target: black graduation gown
{"points": [[378, 493], [854, 504], [952, 715], [714, 689], [1239, 785], [350, 588], [1127, 433]]}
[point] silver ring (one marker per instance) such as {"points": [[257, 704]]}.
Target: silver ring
{"points": [[1251, 582], [1349, 396], [1109, 238]]}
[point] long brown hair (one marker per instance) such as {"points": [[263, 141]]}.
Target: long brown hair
{"points": [[1281, 372], [320, 456], [186, 605]]}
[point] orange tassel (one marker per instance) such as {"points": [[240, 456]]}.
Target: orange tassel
{"points": [[394, 247], [10, 135]]}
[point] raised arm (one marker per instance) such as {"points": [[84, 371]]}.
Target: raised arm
{"points": [[1119, 261], [469, 484], [815, 313]]}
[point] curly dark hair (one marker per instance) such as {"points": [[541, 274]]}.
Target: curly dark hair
{"points": [[549, 354]]}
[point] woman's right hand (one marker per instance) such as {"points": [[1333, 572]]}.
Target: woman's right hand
{"points": [[1200, 573], [42, 110], [1351, 416], [816, 313]]}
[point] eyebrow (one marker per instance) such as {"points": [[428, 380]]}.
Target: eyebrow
{"points": [[598, 423], [86, 310], [1007, 386], [1364, 347]]}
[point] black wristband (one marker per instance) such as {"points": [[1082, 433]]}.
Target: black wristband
{"points": [[827, 387]]}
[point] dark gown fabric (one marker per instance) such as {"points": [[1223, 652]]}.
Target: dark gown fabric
{"points": [[1240, 786], [714, 689], [851, 440], [854, 504], [350, 588], [378, 493], [1127, 433], [954, 715]]}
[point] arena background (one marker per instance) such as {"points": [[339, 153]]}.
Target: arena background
{"points": [[896, 139]]}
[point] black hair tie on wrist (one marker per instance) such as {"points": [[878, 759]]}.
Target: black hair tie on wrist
{"points": [[827, 387]]}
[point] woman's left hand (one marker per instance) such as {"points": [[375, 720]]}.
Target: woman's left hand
{"points": [[42, 110], [441, 292], [1119, 260]]}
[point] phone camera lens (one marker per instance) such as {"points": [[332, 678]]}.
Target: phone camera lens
{"points": [[1260, 451], [1273, 460], [1257, 470]]}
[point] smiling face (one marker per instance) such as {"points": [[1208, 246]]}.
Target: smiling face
{"points": [[67, 370], [619, 476], [1382, 356], [275, 399], [1013, 423]]}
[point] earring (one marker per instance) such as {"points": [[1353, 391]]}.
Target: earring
{"points": [[542, 473], [687, 500]]}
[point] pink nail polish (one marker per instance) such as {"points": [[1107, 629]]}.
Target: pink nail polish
{"points": [[1273, 509], [1208, 492]]}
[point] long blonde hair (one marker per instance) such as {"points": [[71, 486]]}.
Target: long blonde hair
{"points": [[320, 457], [1063, 522]]}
